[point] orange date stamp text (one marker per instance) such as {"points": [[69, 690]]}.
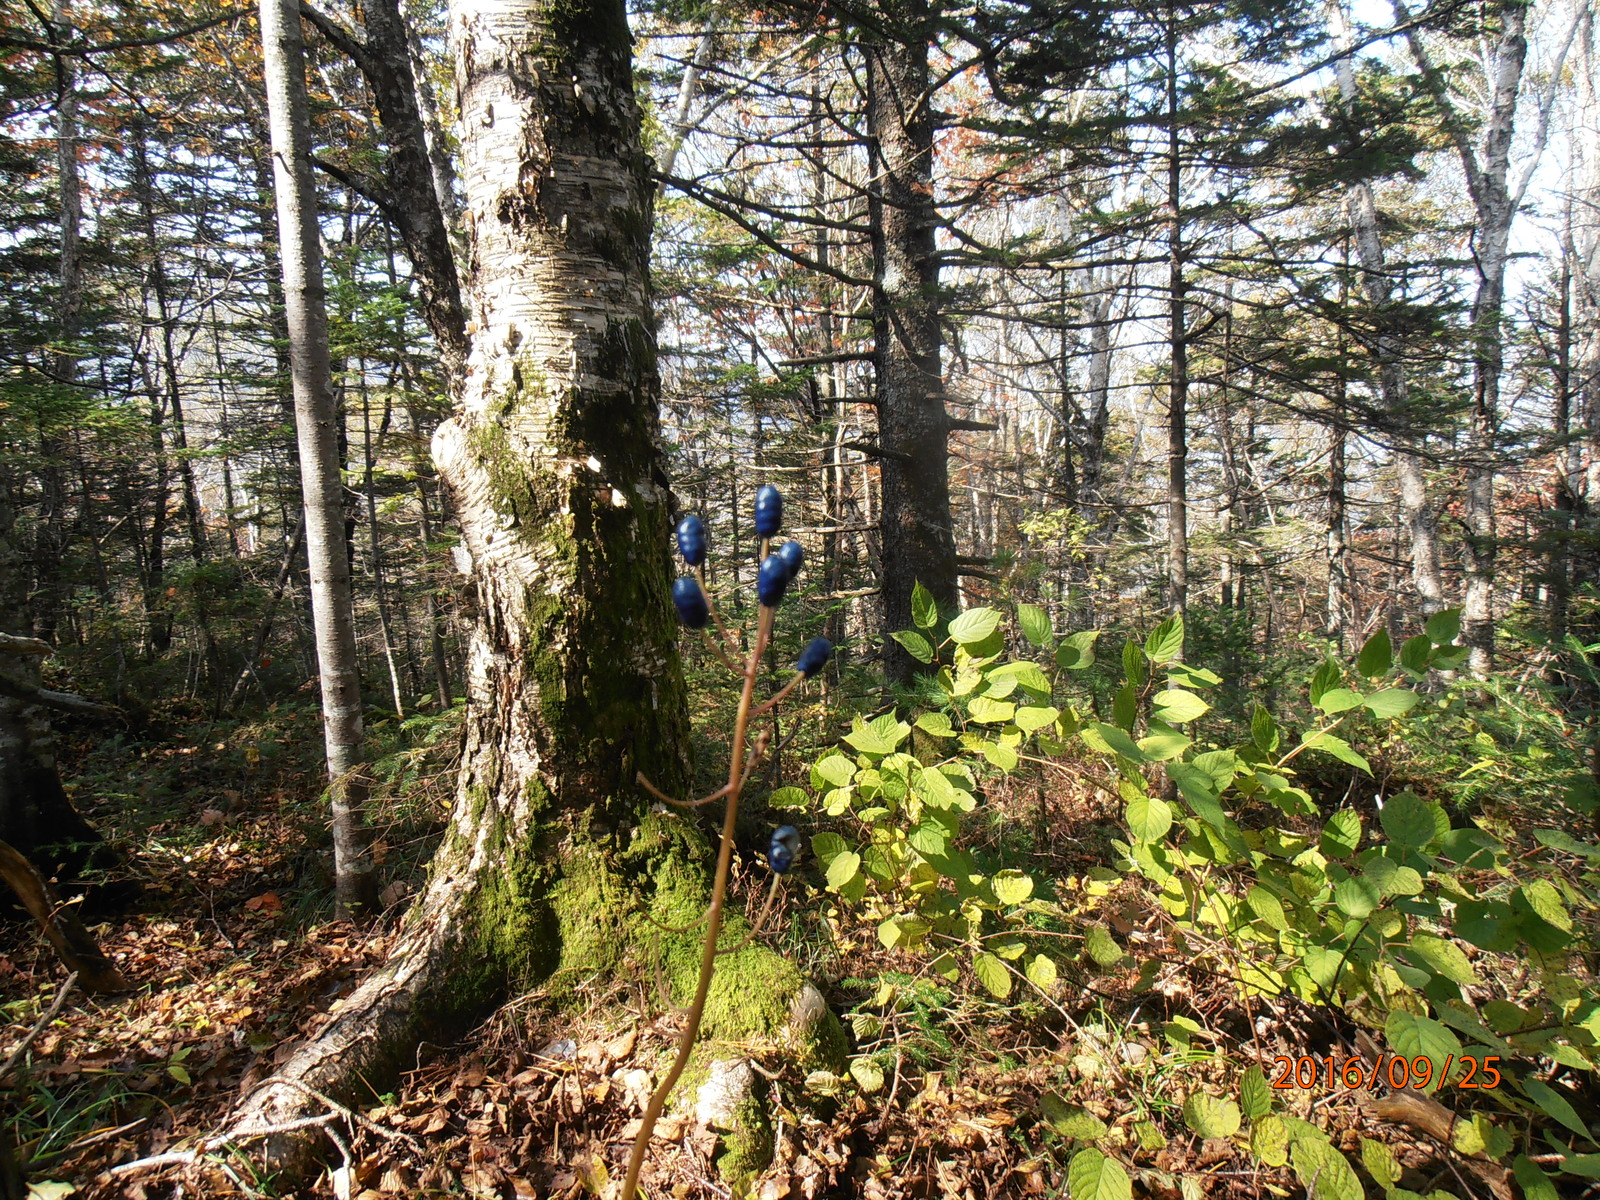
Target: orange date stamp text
{"points": [[1306, 1072]]}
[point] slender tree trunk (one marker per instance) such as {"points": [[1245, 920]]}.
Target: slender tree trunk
{"points": [[318, 440], [913, 426], [1178, 344], [1376, 283], [51, 533], [380, 587]]}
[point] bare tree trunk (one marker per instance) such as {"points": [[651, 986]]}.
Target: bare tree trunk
{"points": [[1376, 283], [318, 439], [913, 426], [411, 199], [1178, 344], [553, 458], [1496, 198]]}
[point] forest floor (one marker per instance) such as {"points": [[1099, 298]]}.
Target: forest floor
{"points": [[233, 960]]}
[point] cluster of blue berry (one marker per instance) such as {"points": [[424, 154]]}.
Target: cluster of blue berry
{"points": [[778, 570]]}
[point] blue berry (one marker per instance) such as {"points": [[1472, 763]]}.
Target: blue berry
{"points": [[773, 581], [783, 849], [769, 510], [692, 540], [814, 657], [690, 602], [794, 557]]}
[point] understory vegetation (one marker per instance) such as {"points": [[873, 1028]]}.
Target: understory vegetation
{"points": [[1090, 911]]}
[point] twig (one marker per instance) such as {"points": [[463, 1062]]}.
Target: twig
{"points": [[39, 1026], [719, 890]]}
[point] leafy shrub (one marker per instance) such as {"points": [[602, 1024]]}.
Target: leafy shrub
{"points": [[1445, 940]]}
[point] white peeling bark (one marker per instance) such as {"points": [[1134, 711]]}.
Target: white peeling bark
{"points": [[317, 433], [553, 461]]}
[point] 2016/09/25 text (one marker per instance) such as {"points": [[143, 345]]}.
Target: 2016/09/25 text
{"points": [[1307, 1072]]}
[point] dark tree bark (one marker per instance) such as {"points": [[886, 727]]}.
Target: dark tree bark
{"points": [[913, 426], [410, 198]]}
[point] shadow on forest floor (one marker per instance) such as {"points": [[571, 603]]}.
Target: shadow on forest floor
{"points": [[233, 960]]}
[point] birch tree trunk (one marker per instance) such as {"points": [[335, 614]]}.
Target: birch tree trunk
{"points": [[552, 865], [317, 434]]}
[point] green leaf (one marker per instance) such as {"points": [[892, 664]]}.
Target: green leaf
{"points": [[1163, 743], [1560, 839], [1267, 907], [1407, 821], [827, 847], [1489, 926], [924, 612], [1133, 663], [1540, 896], [1341, 835], [1535, 1184], [1125, 707], [1070, 1120], [835, 769], [1011, 887], [1337, 748], [867, 1074], [1033, 718], [1035, 624], [929, 839], [1183, 675], [1556, 1106], [1077, 651], [1411, 1035], [1165, 642], [1112, 740], [1376, 656], [1338, 700], [1177, 707], [974, 625], [1255, 1094], [915, 644], [1264, 730], [992, 974], [843, 869], [1443, 628], [1211, 1116], [1269, 1141], [1101, 946], [1325, 1173], [1000, 755], [990, 712], [1444, 957], [1149, 818], [788, 797], [1390, 878], [1391, 702], [1323, 678], [1093, 1176], [936, 723], [1414, 654], [1041, 972], [180, 1073], [1356, 897]]}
